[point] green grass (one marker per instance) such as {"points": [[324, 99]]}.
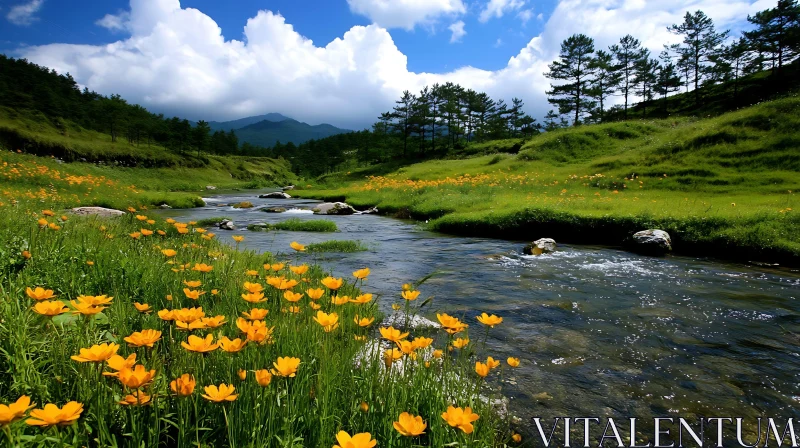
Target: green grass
{"points": [[299, 225], [305, 410], [343, 246], [206, 222], [721, 186]]}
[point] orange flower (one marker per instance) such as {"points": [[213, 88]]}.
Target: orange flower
{"points": [[202, 267], [292, 296], [255, 314], [256, 297], [193, 283], [238, 238], [513, 362], [299, 270], [96, 353], [220, 394], [329, 322], [86, 308], [136, 235], [213, 322], [393, 334], [253, 287], [421, 342], [136, 377], [360, 440], [119, 363], [263, 377], [200, 345], [361, 274], [460, 418], [391, 355], [193, 294], [516, 437], [144, 338], [297, 246], [231, 345], [451, 324], [26, 254], [53, 415], [286, 284], [276, 266], [48, 213], [409, 425], [410, 295], [363, 321], [14, 411], [166, 315], [332, 283], [183, 386], [242, 374], [40, 293], [169, 253], [340, 300], [481, 369], [490, 321], [137, 398], [315, 293], [142, 307], [314, 306], [286, 366], [460, 342], [189, 326], [492, 363], [362, 299], [252, 273], [146, 232], [141, 217]]}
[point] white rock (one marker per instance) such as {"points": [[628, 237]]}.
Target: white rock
{"points": [[97, 211]]}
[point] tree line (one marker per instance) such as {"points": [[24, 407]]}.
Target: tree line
{"points": [[585, 78]]}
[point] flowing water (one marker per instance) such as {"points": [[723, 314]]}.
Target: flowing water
{"points": [[601, 332]]}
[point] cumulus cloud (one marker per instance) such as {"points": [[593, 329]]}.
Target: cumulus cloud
{"points": [[525, 15], [457, 30], [496, 8], [176, 60], [25, 13], [406, 13], [114, 22]]}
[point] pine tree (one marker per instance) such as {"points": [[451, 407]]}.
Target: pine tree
{"points": [[646, 77], [606, 80], [667, 79], [626, 54], [700, 42], [574, 67], [777, 32], [402, 112]]}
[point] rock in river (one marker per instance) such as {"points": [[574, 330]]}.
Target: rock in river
{"points": [[275, 195], [334, 208], [97, 211], [652, 241], [227, 224], [540, 246], [274, 210]]}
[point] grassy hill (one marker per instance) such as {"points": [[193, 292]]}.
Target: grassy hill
{"points": [[721, 186], [50, 152]]}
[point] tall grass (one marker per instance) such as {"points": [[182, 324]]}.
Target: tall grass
{"points": [[342, 246], [723, 186], [329, 393], [299, 225]]}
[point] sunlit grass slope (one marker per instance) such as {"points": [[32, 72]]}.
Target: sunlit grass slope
{"points": [[720, 186]]}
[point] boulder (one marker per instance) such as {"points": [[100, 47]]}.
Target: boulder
{"points": [[414, 322], [164, 207], [540, 246], [274, 210], [210, 187], [227, 224], [652, 241], [287, 188], [97, 211], [275, 195], [334, 208]]}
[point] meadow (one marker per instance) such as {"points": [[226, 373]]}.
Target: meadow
{"points": [[140, 331], [722, 186]]}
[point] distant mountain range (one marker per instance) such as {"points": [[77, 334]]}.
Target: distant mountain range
{"points": [[266, 130]]}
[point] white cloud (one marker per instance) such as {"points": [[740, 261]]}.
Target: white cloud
{"points": [[113, 22], [24, 14], [525, 15], [496, 8], [176, 61], [458, 31], [498, 43], [540, 16], [406, 13]]}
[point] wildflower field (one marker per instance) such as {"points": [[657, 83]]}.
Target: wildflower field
{"points": [[720, 186], [143, 332]]}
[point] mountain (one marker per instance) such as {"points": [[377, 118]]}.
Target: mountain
{"points": [[242, 122], [266, 132]]}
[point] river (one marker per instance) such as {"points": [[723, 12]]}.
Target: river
{"points": [[600, 331]]}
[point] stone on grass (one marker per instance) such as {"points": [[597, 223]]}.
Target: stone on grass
{"points": [[97, 211]]}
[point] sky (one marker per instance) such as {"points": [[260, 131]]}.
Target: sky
{"points": [[341, 62]]}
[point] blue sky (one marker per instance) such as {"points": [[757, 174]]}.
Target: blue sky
{"points": [[170, 56]]}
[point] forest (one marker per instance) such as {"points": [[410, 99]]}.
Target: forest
{"points": [[707, 66]]}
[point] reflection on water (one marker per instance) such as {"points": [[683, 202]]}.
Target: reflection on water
{"points": [[600, 331]]}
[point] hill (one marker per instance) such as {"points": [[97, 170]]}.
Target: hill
{"points": [[266, 133], [722, 186], [242, 122]]}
